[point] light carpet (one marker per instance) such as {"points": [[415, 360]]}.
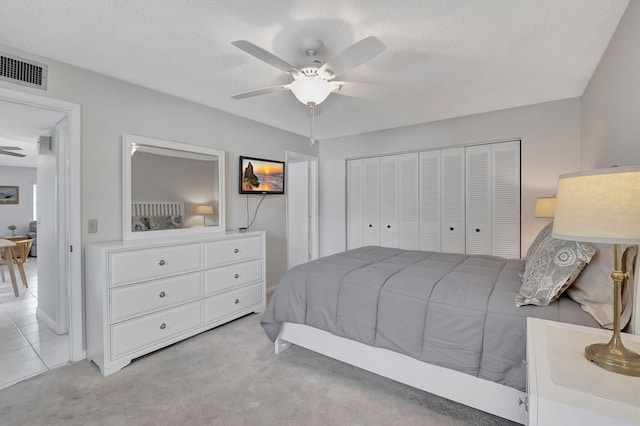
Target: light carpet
{"points": [[227, 376]]}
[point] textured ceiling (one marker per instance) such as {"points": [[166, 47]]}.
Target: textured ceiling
{"points": [[443, 59]]}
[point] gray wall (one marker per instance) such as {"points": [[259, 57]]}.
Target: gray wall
{"points": [[611, 102], [611, 111], [17, 214], [550, 135], [112, 107]]}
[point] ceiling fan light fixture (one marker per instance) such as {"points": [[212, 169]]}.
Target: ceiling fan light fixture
{"points": [[311, 90]]}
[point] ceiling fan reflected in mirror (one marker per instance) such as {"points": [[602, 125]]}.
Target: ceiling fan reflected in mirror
{"points": [[314, 82], [7, 150]]}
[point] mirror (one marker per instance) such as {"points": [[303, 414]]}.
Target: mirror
{"points": [[171, 188]]}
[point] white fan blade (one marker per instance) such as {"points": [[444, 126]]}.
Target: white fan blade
{"points": [[264, 91], [358, 90], [356, 54], [15, 154], [10, 148], [265, 56]]}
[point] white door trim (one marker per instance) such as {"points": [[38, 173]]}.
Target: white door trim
{"points": [[70, 260], [294, 157]]}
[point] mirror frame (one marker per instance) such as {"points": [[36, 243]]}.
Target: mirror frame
{"points": [[127, 233]]}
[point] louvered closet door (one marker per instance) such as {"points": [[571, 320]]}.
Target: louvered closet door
{"points": [[478, 199], [354, 204], [408, 235], [389, 201], [453, 200], [371, 201], [506, 199], [430, 208]]}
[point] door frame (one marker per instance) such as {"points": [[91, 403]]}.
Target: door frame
{"points": [[294, 157], [68, 260]]}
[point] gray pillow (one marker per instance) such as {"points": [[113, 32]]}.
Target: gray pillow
{"points": [[165, 222], [140, 223], [542, 235], [554, 266]]}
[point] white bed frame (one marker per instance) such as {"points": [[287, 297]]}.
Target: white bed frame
{"points": [[157, 208], [494, 398]]}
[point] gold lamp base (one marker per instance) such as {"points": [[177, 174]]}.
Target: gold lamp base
{"points": [[613, 356]]}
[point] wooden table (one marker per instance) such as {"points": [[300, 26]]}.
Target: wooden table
{"points": [[8, 257]]}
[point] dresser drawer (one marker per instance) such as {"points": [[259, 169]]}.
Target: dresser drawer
{"points": [[138, 299], [224, 252], [227, 277], [140, 265], [135, 334], [218, 307]]}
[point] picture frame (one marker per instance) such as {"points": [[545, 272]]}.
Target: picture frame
{"points": [[9, 195]]}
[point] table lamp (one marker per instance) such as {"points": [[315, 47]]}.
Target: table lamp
{"points": [[204, 210], [603, 206], [545, 206]]}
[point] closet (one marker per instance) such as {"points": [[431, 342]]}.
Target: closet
{"points": [[458, 200]]}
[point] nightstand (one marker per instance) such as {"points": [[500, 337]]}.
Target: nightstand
{"points": [[565, 389]]}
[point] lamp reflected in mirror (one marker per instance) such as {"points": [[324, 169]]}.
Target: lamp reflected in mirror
{"points": [[204, 210]]}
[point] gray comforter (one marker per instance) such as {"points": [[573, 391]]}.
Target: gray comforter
{"points": [[452, 310]]}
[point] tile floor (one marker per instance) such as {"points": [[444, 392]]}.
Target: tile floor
{"points": [[28, 346]]}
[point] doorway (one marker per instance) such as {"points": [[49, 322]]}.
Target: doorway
{"points": [[302, 208], [67, 251]]}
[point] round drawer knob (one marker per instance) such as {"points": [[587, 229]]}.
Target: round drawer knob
{"points": [[477, 229], [389, 226], [236, 251], [237, 301], [163, 326], [451, 228], [162, 294], [236, 276], [162, 262], [370, 225]]}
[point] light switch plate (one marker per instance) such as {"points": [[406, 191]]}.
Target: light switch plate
{"points": [[93, 226]]}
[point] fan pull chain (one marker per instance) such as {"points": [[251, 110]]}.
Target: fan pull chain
{"points": [[312, 106]]}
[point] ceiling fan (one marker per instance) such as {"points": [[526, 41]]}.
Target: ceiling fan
{"points": [[6, 150], [313, 82]]}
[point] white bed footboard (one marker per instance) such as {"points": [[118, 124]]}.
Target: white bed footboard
{"points": [[484, 395]]}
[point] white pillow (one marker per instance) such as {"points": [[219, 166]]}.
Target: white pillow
{"points": [[593, 289]]}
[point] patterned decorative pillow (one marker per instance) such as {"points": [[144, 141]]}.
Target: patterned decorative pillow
{"points": [[165, 222], [554, 266], [140, 223], [542, 235]]}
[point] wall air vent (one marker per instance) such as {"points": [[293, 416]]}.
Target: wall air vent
{"points": [[23, 71]]}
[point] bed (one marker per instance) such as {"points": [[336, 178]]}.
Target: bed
{"points": [[156, 215], [441, 322]]}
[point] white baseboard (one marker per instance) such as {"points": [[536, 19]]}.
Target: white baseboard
{"points": [[46, 319]]}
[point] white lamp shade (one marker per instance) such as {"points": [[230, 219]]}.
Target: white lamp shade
{"points": [[600, 205], [545, 206], [204, 209], [311, 90]]}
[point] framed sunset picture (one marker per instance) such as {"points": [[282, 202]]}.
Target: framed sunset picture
{"points": [[260, 176]]}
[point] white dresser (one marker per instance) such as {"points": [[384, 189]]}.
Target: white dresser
{"points": [[146, 294]]}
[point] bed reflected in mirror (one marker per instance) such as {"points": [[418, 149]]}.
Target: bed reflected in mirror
{"points": [[164, 182]]}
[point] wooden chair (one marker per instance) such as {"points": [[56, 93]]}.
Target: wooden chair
{"points": [[20, 255]]}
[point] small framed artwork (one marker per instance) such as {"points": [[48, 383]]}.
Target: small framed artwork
{"points": [[9, 194]]}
